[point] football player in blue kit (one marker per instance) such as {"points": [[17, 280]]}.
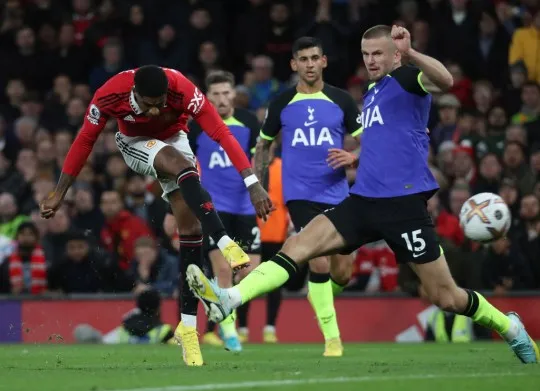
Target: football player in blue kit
{"points": [[388, 200], [313, 118], [224, 184]]}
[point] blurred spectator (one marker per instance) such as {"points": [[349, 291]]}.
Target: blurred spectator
{"points": [[529, 111], [10, 219], [422, 40], [509, 192], [265, 87], [448, 106], [87, 216], [446, 224], [25, 270], [462, 88], [115, 172], [15, 91], [464, 167], [516, 133], [483, 96], [113, 63], [375, 269], [277, 38], [136, 30], [22, 64], [58, 231], [153, 268], [71, 59], [208, 60], [83, 17], [505, 268], [169, 49], [80, 270], [202, 28], [488, 57], [107, 24], [489, 174], [333, 35], [516, 167], [121, 229], [524, 48], [10, 180], [527, 235], [457, 25], [512, 95], [144, 204], [75, 111]]}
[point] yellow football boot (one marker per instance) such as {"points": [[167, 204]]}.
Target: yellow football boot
{"points": [[188, 339]]}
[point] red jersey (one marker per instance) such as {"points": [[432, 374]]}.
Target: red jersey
{"points": [[115, 99]]}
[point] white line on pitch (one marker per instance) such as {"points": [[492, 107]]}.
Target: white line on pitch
{"points": [[294, 382]]}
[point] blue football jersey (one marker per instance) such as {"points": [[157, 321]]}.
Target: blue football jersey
{"points": [[395, 144], [218, 175], [310, 125]]}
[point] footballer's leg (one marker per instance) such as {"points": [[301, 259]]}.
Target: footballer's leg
{"points": [[224, 275], [321, 298], [176, 163], [339, 228], [140, 154], [414, 240], [189, 229], [246, 232], [340, 271], [319, 286], [442, 291]]}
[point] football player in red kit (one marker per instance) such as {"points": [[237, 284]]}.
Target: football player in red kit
{"points": [[152, 106]]}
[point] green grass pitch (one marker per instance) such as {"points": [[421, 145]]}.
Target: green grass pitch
{"points": [[366, 367]]}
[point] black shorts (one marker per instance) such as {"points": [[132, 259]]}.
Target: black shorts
{"points": [[302, 212], [403, 222], [243, 229]]}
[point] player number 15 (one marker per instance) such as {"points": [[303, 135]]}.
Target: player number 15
{"points": [[419, 243]]}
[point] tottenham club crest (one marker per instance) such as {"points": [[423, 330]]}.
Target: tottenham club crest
{"points": [[93, 115]]}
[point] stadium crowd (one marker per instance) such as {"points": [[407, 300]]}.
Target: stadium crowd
{"points": [[112, 234]]}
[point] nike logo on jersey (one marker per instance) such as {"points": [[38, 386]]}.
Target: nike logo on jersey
{"points": [[129, 118], [418, 255], [310, 123], [376, 90]]}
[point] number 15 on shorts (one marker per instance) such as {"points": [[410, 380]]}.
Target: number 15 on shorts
{"points": [[415, 243]]}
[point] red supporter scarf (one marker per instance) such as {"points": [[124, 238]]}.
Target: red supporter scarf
{"points": [[38, 271]]}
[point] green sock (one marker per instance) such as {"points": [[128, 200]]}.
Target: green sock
{"points": [[228, 325], [336, 288], [322, 301], [266, 277], [483, 313]]}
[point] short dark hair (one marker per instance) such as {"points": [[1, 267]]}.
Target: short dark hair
{"points": [[531, 83], [28, 225], [151, 81], [216, 77], [378, 31], [306, 43]]}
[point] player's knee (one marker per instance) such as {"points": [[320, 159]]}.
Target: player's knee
{"points": [[170, 162], [297, 248], [341, 270], [319, 265], [190, 227], [444, 297], [224, 275]]}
